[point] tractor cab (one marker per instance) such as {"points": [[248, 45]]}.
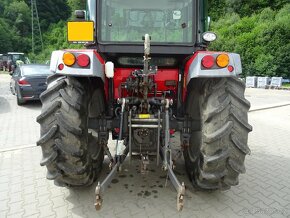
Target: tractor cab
{"points": [[167, 22], [15, 59], [175, 27]]}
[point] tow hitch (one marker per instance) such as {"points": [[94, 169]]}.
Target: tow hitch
{"points": [[164, 151], [148, 128]]}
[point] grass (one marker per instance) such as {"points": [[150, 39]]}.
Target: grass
{"points": [[287, 85]]}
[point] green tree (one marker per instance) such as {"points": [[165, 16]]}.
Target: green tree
{"points": [[219, 8], [5, 35], [76, 4], [18, 14], [262, 40], [51, 11]]}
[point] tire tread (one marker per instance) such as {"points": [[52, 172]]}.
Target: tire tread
{"points": [[224, 133], [64, 138]]}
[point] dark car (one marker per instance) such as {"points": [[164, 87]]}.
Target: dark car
{"points": [[29, 81]]}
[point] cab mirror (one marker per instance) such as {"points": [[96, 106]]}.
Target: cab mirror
{"points": [[80, 14], [208, 23]]}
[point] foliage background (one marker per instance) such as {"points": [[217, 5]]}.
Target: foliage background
{"points": [[259, 30]]}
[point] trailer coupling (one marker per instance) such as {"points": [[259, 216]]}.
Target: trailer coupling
{"points": [[164, 150]]}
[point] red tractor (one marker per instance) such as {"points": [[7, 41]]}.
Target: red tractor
{"points": [[3, 62], [145, 73]]}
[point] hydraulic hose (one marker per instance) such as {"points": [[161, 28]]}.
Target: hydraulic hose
{"points": [[123, 100]]}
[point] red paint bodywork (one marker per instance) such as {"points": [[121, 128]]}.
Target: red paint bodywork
{"points": [[186, 71], [121, 74], [106, 83]]}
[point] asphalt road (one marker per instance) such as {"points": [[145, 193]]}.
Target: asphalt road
{"points": [[264, 191], [18, 126]]}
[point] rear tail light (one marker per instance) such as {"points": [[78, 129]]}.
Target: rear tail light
{"points": [[230, 68], [68, 59], [23, 82], [208, 61], [83, 60], [117, 130], [60, 66], [223, 60]]}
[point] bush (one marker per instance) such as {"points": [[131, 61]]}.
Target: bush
{"points": [[261, 39]]}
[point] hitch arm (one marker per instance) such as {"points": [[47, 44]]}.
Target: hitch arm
{"points": [[180, 188], [168, 162], [101, 187]]}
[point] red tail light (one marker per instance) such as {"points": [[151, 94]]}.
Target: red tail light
{"points": [[83, 60], [60, 66], [117, 130], [231, 68], [208, 61], [23, 82]]}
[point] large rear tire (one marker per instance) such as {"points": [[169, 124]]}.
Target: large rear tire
{"points": [[218, 145], [71, 155]]}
